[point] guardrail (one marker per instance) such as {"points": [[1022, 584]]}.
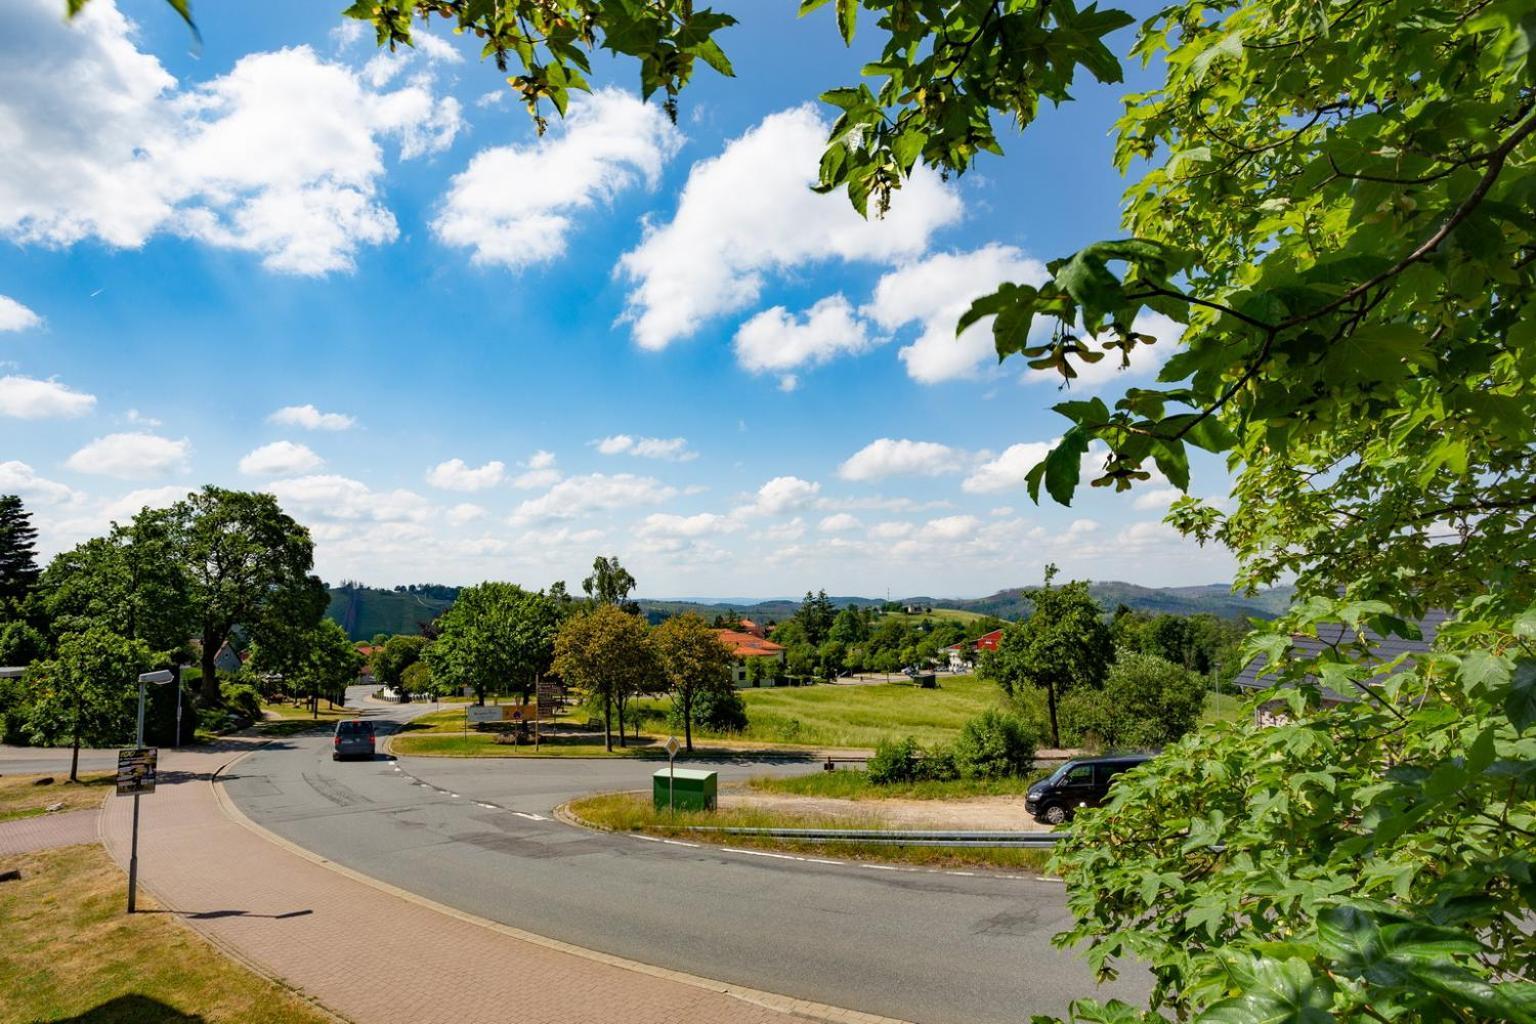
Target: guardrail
{"points": [[884, 837]]}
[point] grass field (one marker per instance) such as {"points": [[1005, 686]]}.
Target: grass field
{"points": [[21, 797], [1223, 707], [441, 734], [633, 812], [937, 614], [328, 713], [843, 715], [855, 785], [71, 954]]}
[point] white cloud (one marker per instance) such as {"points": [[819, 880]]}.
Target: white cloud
{"points": [[455, 475], [16, 317], [494, 98], [672, 449], [776, 339], [337, 497], [27, 398], [131, 504], [1001, 511], [21, 479], [934, 292], [1007, 470], [436, 48], [788, 382], [891, 457], [280, 458], [465, 512], [749, 212], [515, 205], [140, 419], [131, 456], [539, 472], [310, 418], [1160, 498], [891, 530], [779, 495], [665, 524], [950, 527], [280, 157], [593, 492], [839, 522]]}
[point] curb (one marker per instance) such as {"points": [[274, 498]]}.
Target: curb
{"points": [[219, 945], [822, 1012]]}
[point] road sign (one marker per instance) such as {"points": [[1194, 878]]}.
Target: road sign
{"points": [[136, 770], [548, 698], [519, 712], [496, 713], [672, 746], [483, 714]]}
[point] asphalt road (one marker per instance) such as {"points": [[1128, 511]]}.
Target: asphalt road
{"points": [[937, 948], [52, 760]]}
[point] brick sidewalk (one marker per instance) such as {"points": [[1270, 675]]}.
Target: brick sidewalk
{"points": [[374, 957], [45, 831]]}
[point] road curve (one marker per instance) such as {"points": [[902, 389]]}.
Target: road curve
{"points": [[476, 834]]}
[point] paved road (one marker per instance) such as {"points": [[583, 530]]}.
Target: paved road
{"points": [[936, 948], [55, 760]]}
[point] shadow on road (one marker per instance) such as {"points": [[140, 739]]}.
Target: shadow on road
{"points": [[214, 915]]}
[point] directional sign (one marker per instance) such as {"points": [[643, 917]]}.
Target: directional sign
{"points": [[136, 770], [672, 746]]}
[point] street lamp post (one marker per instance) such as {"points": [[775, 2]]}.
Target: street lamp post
{"points": [[159, 678]]}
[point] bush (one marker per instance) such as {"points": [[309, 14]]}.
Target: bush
{"points": [[995, 745], [1146, 701], [242, 700], [938, 764], [894, 763], [713, 711], [417, 678]]}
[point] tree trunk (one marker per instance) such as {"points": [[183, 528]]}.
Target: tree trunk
{"points": [[1050, 701], [210, 653], [74, 755], [621, 723], [608, 723]]}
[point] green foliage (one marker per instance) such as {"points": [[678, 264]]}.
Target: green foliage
{"points": [[895, 761], [605, 654], [242, 700], [717, 711], [1064, 644], [994, 745], [496, 637], [87, 694], [418, 678], [18, 561], [398, 655], [1146, 702], [697, 666]]}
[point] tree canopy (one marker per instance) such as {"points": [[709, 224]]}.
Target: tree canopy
{"points": [[18, 561], [695, 662]]}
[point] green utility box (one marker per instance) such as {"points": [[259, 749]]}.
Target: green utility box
{"points": [[695, 789]]}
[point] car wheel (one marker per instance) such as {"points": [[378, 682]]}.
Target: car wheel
{"points": [[1054, 815]]}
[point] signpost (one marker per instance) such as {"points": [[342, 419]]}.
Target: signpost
{"points": [[547, 697], [136, 776], [672, 748]]}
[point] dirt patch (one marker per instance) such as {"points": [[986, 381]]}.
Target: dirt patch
{"points": [[982, 813]]}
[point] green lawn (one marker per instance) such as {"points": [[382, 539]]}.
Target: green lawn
{"points": [[845, 715], [1223, 707], [855, 785]]}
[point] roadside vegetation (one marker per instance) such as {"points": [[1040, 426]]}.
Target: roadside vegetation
{"points": [[71, 954], [634, 812], [846, 784], [24, 796]]}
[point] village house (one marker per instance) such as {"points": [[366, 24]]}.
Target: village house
{"points": [[746, 647], [963, 654]]}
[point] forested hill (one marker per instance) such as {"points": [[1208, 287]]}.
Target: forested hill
{"points": [[367, 611]]}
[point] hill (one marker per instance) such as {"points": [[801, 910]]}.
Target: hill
{"points": [[365, 612]]}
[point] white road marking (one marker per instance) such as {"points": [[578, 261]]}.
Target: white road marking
{"points": [[679, 842], [649, 839], [489, 807], [530, 817], [761, 853], [881, 867]]}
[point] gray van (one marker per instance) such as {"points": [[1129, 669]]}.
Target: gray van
{"points": [[353, 739], [1083, 782]]}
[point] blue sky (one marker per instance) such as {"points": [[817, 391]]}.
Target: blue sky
{"points": [[458, 352]]}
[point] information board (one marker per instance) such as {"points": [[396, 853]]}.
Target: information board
{"points": [[136, 770]]}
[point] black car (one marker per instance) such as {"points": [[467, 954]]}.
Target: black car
{"points": [[1083, 782], [353, 739]]}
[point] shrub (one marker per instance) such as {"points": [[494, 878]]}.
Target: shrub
{"points": [[895, 762], [417, 678], [938, 764], [713, 711], [1147, 701], [242, 700], [995, 745]]}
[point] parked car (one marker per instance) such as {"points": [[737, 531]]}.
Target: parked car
{"points": [[1083, 782], [353, 739]]}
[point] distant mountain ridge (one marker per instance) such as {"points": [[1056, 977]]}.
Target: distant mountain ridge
{"points": [[367, 611]]}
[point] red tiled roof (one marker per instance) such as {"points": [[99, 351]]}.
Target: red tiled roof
{"points": [[745, 645], [985, 642]]}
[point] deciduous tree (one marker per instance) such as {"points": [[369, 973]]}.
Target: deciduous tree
{"points": [[87, 692], [606, 653], [695, 663]]}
